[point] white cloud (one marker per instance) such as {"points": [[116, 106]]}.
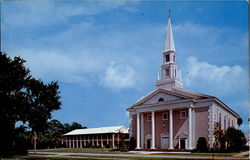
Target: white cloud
{"points": [[221, 79], [118, 76], [54, 65], [44, 13]]}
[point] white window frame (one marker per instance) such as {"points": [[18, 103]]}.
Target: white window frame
{"points": [[166, 116], [181, 117], [149, 115]]}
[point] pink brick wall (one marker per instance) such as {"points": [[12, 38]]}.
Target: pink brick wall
{"points": [[134, 126], [179, 125], [201, 123], [161, 126]]}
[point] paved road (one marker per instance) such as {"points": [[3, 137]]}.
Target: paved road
{"points": [[108, 155]]}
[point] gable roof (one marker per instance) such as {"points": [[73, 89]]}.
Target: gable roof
{"points": [[100, 130], [192, 94], [186, 94]]}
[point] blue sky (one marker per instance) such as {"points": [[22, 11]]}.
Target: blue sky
{"points": [[106, 54]]}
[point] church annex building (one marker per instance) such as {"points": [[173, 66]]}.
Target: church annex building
{"points": [[171, 117]]}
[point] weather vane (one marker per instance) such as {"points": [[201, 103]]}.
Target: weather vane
{"points": [[169, 13]]}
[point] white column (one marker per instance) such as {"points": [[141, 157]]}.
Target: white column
{"points": [[190, 128], [77, 142], [101, 142], [138, 131], [66, 142], [107, 139], [70, 142], [142, 131], [113, 140], [73, 142], [80, 141], [153, 130], [84, 141], [97, 141], [171, 129]]}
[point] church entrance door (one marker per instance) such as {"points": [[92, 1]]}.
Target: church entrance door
{"points": [[182, 143], [164, 142], [148, 143]]}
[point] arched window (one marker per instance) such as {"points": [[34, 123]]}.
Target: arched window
{"points": [[160, 99]]}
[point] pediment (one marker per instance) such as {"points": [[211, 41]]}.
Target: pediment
{"points": [[155, 96], [164, 134], [162, 96], [183, 135]]}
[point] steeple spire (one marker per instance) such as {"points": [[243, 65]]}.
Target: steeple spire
{"points": [[169, 43], [169, 70]]}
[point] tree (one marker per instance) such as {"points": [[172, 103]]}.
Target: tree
{"points": [[235, 140], [23, 98], [239, 121], [119, 138], [51, 137], [201, 145], [219, 137], [74, 125], [132, 143]]}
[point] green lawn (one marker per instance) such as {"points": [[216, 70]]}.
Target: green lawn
{"points": [[79, 150], [108, 150]]}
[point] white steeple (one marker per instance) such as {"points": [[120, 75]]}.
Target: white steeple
{"points": [[169, 76], [169, 43]]}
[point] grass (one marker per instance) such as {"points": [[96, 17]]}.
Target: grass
{"points": [[78, 150], [109, 150], [45, 156]]}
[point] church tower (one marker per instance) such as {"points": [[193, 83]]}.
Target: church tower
{"points": [[169, 72]]}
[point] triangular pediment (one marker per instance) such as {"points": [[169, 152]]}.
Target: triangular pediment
{"points": [[160, 96]]}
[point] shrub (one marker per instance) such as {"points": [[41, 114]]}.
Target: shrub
{"points": [[132, 143], [235, 140], [202, 145]]}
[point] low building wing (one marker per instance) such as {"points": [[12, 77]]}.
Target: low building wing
{"points": [[100, 130]]}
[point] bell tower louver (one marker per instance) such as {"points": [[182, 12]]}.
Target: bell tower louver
{"points": [[169, 72]]}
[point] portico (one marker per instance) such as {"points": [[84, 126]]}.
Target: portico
{"points": [[141, 139]]}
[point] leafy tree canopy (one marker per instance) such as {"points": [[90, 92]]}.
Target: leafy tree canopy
{"points": [[23, 98], [235, 139]]}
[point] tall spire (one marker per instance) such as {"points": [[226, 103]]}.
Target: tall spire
{"points": [[169, 70], [169, 43]]}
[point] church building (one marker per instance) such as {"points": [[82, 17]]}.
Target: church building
{"points": [[172, 118]]}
